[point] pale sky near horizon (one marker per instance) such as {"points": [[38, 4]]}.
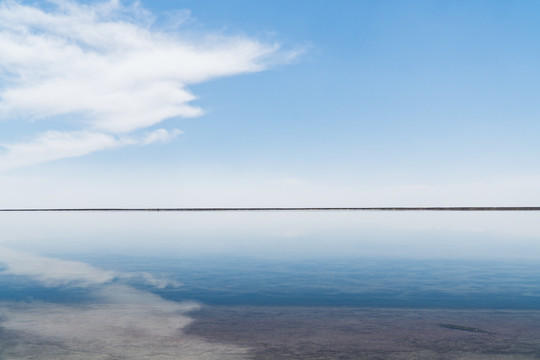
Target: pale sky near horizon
{"points": [[269, 103]]}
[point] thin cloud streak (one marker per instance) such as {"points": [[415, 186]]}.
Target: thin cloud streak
{"points": [[54, 145], [106, 70]]}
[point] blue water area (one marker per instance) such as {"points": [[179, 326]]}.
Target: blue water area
{"points": [[22, 289], [339, 282], [364, 282]]}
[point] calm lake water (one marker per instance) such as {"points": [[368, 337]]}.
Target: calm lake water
{"points": [[270, 285]]}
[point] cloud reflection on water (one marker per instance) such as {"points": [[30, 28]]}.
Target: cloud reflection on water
{"points": [[120, 321], [57, 272]]}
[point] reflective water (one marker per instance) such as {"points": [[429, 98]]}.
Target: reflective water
{"points": [[269, 285]]}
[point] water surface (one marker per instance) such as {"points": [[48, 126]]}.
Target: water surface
{"points": [[269, 286]]}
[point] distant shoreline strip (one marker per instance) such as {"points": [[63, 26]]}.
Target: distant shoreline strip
{"points": [[459, 208]]}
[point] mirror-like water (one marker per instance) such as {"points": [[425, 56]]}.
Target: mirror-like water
{"points": [[270, 286]]}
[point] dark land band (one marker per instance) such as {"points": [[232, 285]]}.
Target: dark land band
{"points": [[209, 209]]}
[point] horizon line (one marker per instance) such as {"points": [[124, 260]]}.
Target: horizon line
{"points": [[209, 209]]}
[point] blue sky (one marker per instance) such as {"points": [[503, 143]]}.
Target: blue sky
{"points": [[294, 103]]}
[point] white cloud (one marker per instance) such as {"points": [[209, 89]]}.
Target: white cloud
{"points": [[53, 145], [160, 135], [109, 70]]}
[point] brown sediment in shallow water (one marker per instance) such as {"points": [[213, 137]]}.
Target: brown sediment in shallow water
{"points": [[107, 331], [354, 333], [149, 331]]}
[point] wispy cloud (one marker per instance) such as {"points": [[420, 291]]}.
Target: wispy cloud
{"points": [[105, 69], [54, 145]]}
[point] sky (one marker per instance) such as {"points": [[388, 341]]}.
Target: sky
{"points": [[269, 103]]}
